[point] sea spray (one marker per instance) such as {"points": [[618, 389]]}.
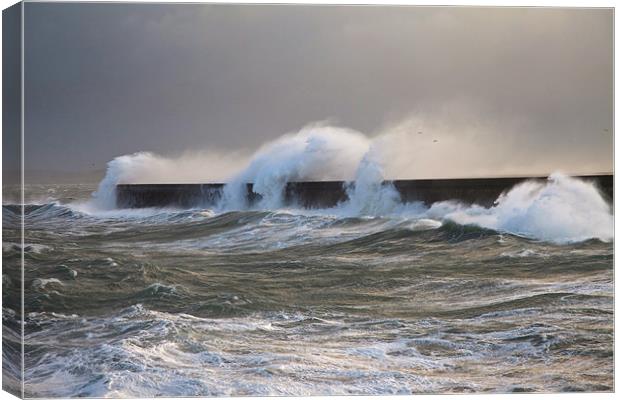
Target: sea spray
{"points": [[561, 210], [370, 194], [146, 167], [119, 169], [316, 152]]}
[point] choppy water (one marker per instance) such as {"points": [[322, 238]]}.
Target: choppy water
{"points": [[296, 302]]}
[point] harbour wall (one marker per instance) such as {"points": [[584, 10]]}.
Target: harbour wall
{"points": [[482, 191]]}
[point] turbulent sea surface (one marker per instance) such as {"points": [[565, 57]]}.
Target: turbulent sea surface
{"points": [[304, 302]]}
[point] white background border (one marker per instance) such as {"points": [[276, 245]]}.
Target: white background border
{"points": [[542, 3]]}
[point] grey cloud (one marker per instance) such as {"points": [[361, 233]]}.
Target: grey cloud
{"points": [[109, 79]]}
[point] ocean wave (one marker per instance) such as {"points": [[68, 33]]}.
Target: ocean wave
{"points": [[140, 352], [562, 210]]}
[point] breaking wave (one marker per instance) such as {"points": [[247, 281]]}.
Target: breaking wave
{"points": [[314, 153], [561, 210]]}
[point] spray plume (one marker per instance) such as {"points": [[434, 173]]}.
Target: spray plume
{"points": [[561, 210]]}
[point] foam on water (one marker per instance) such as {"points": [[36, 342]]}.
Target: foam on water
{"points": [[561, 210], [91, 209], [183, 355]]}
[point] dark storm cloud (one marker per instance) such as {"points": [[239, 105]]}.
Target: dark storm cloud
{"points": [[109, 79]]}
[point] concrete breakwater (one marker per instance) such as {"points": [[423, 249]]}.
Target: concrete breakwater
{"points": [[321, 194]]}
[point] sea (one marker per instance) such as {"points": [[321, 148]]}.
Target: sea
{"points": [[276, 300]]}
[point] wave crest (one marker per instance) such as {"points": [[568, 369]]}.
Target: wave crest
{"points": [[561, 210]]}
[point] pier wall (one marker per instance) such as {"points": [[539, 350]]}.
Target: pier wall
{"points": [[482, 191]]}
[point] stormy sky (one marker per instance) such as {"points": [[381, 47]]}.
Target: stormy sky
{"points": [[103, 80]]}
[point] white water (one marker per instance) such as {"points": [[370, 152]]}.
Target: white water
{"points": [[145, 167], [369, 196], [126, 169], [314, 153], [562, 210]]}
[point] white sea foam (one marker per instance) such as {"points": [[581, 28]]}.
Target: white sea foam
{"points": [[105, 196], [184, 355], [524, 253], [369, 195], [145, 167], [561, 210], [316, 152], [41, 283]]}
